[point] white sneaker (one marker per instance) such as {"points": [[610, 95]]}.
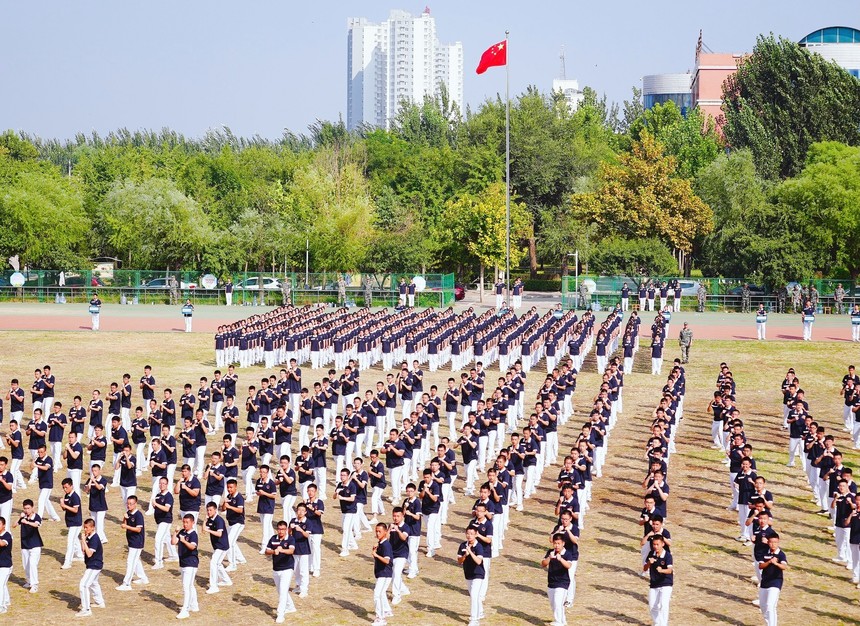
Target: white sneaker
{"points": [[212, 590], [65, 566], [99, 605], [124, 588], [756, 602], [231, 568], [158, 566], [140, 581], [279, 619], [344, 553], [83, 613], [303, 594], [183, 615], [396, 600]]}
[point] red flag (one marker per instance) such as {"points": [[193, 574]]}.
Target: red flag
{"points": [[494, 56]]}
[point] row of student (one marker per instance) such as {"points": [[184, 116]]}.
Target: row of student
{"points": [[656, 555], [831, 482], [751, 499], [531, 447]]}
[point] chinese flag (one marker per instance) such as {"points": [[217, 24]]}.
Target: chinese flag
{"points": [[495, 55]]}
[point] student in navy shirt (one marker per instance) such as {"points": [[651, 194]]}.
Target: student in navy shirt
{"points": [[383, 557], [16, 396], [558, 563], [772, 566], [315, 510], [93, 553], [15, 441], [398, 535], [301, 536], [45, 470], [163, 504], [189, 493], [266, 491], [661, 573], [233, 505], [5, 565], [346, 494], [281, 547], [135, 535], [37, 430], [57, 423], [217, 531], [96, 488], [470, 555], [31, 544], [186, 543], [73, 517]]}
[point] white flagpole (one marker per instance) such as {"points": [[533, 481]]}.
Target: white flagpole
{"points": [[507, 173]]}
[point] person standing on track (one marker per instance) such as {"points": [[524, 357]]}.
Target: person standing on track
{"points": [[685, 340]]}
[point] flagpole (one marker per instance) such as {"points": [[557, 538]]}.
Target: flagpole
{"points": [[507, 172]]}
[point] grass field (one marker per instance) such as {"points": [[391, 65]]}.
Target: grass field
{"points": [[712, 569]]}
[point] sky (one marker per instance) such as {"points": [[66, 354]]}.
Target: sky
{"points": [[266, 66]]}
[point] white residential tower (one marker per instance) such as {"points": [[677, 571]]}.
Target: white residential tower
{"points": [[398, 59]]}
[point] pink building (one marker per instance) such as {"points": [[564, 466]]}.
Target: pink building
{"points": [[712, 69]]}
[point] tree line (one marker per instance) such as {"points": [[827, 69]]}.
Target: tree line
{"points": [[772, 198]]}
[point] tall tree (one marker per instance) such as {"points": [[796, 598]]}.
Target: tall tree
{"points": [[642, 197], [152, 224], [43, 219], [752, 237], [784, 98], [827, 193]]}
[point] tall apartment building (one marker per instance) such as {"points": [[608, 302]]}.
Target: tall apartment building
{"points": [[395, 60]]}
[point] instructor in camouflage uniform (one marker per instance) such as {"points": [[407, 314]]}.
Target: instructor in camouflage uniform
{"points": [[685, 340], [701, 298]]}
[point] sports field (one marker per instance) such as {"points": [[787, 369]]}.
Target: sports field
{"points": [[712, 569]]}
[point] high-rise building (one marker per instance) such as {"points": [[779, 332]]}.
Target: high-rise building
{"points": [[396, 60], [569, 88]]}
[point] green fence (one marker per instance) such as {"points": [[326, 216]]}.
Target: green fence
{"points": [[722, 294], [249, 288]]}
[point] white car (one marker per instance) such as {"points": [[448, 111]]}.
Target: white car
{"points": [[269, 283]]}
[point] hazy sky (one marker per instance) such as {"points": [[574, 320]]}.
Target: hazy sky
{"points": [[263, 66]]}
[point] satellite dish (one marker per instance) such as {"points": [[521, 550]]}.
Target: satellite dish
{"points": [[17, 279], [420, 283]]}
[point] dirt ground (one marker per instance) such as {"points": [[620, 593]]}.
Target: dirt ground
{"points": [[712, 569]]}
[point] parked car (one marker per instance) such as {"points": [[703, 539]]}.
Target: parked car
{"points": [[459, 291], [164, 283], [268, 283], [755, 290]]}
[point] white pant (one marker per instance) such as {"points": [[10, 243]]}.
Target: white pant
{"points": [[302, 562], [95, 321], [476, 606], [266, 528], [434, 532], [843, 552], [17, 476], [45, 505], [316, 553], [133, 566], [795, 448], [656, 366], [414, 542], [807, 331], [162, 539], [5, 572], [398, 588], [761, 329], [658, 604], [288, 502], [189, 590], [282, 585], [90, 588], [348, 521], [56, 453], [30, 562], [217, 573], [187, 323], [855, 332], [376, 507], [234, 554], [380, 597], [768, 599], [556, 602], [73, 545]]}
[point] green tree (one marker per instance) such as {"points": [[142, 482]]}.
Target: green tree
{"points": [[152, 224], [752, 237], [642, 197], [43, 220], [617, 256], [784, 98], [827, 194], [476, 225]]}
